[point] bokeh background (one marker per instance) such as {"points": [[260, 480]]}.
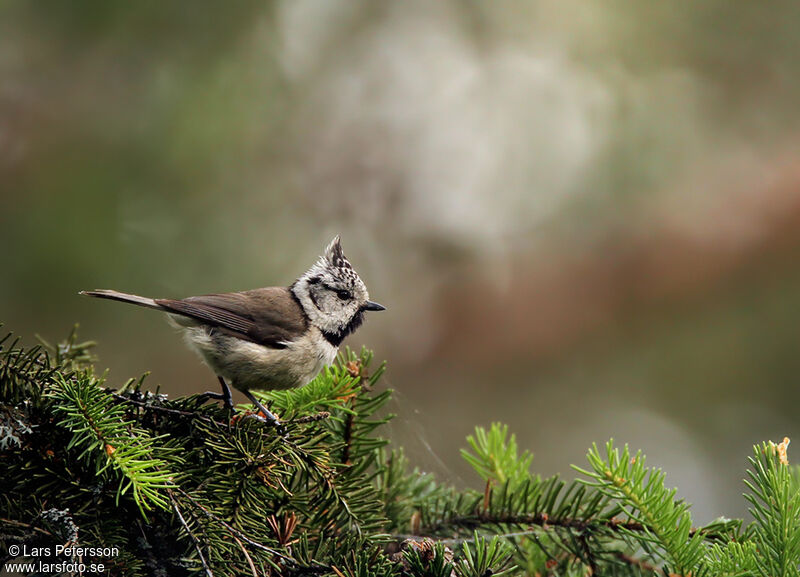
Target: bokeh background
{"points": [[584, 217]]}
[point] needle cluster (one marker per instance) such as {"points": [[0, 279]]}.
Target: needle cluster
{"points": [[182, 487]]}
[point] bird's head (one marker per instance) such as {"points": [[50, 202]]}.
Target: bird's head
{"points": [[333, 295]]}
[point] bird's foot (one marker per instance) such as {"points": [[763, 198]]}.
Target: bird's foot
{"points": [[266, 415], [225, 396], [259, 415], [227, 400]]}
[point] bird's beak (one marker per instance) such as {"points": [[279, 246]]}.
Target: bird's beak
{"points": [[373, 306]]}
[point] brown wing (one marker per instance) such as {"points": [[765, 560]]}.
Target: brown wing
{"points": [[268, 316]]}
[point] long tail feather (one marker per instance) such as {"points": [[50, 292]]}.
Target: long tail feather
{"points": [[124, 297]]}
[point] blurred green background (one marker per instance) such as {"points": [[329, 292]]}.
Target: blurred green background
{"points": [[584, 218]]}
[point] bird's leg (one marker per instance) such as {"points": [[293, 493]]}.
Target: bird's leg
{"points": [[225, 396], [271, 419]]}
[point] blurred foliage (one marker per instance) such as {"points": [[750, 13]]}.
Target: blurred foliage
{"points": [[462, 149]]}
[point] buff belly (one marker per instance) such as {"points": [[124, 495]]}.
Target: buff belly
{"points": [[246, 365]]}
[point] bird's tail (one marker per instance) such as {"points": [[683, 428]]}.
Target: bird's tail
{"points": [[124, 297]]}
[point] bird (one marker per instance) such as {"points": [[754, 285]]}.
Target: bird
{"points": [[269, 338]]}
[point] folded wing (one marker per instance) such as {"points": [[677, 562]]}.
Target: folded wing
{"points": [[269, 316]]}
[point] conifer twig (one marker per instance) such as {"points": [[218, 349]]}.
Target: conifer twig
{"points": [[246, 556], [156, 408], [25, 525], [144, 405], [192, 535], [539, 519], [321, 416], [233, 530], [347, 436], [587, 551], [544, 520]]}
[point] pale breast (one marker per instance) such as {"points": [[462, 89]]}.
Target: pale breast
{"points": [[246, 365]]}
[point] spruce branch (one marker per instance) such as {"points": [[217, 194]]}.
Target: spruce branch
{"points": [[775, 500], [495, 456], [733, 559], [665, 521], [197, 545], [100, 427], [483, 557], [231, 497], [231, 529]]}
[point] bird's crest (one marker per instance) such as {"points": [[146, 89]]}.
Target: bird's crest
{"points": [[335, 256]]}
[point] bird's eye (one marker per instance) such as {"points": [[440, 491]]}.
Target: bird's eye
{"points": [[343, 294]]}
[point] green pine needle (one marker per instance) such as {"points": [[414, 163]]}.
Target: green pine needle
{"points": [[181, 488]]}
